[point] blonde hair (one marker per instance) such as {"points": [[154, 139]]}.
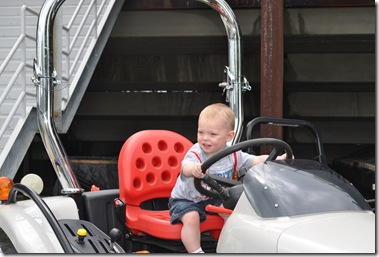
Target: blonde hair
{"points": [[219, 111]]}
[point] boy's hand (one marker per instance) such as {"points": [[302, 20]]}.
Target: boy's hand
{"points": [[196, 171], [283, 157]]}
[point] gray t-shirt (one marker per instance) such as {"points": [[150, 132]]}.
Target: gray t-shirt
{"points": [[184, 187]]}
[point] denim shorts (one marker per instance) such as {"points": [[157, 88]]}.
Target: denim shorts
{"points": [[179, 207]]}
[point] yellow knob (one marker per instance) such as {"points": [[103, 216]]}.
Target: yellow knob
{"points": [[82, 232]]}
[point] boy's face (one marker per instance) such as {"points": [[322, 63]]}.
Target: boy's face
{"points": [[212, 135]]}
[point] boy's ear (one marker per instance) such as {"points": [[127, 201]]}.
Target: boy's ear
{"points": [[230, 135]]}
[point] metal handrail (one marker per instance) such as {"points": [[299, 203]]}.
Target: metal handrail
{"points": [[21, 75], [71, 43], [18, 102], [21, 100]]}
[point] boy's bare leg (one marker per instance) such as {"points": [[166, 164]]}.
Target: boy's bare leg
{"points": [[191, 231]]}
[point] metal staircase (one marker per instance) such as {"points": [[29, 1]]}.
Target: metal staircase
{"points": [[81, 32]]}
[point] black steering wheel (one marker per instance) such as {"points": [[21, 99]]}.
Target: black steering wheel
{"points": [[216, 183], [45, 210]]}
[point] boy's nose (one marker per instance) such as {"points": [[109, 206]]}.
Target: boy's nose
{"points": [[205, 137]]}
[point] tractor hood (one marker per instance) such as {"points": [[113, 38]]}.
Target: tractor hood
{"points": [[351, 232]]}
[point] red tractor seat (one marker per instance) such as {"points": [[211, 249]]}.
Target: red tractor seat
{"points": [[148, 166]]}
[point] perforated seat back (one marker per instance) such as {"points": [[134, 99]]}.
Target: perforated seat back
{"points": [[149, 164]]}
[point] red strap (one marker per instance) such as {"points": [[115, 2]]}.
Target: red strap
{"points": [[235, 161], [198, 157]]}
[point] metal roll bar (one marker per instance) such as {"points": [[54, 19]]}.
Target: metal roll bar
{"points": [[235, 83], [44, 78]]}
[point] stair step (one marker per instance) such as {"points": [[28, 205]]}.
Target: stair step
{"points": [[10, 31]]}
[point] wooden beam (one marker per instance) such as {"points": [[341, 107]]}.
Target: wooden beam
{"points": [[237, 4], [328, 3], [200, 87], [272, 53], [343, 43]]}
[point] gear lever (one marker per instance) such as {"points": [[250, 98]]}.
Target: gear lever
{"points": [[115, 235]]}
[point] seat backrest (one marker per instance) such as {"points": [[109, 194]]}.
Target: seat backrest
{"points": [[149, 164]]}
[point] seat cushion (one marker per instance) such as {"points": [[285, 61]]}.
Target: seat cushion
{"points": [[157, 223]]}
